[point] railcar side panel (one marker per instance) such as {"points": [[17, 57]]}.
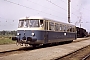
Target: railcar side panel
{"points": [[60, 36]]}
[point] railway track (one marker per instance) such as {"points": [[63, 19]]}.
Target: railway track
{"points": [[47, 52], [25, 49], [20, 50], [16, 51], [87, 57], [81, 54]]}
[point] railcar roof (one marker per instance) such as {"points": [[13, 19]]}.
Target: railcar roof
{"points": [[39, 17], [33, 17]]}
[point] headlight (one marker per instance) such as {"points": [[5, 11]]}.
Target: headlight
{"points": [[17, 33], [33, 34]]}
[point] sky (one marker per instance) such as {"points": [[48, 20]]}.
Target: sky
{"points": [[12, 10]]}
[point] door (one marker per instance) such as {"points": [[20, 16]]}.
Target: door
{"points": [[46, 32]]}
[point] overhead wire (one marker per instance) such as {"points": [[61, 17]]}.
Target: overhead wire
{"points": [[56, 5], [38, 4], [41, 5], [78, 12], [63, 1], [73, 8], [31, 8], [44, 6], [61, 7]]}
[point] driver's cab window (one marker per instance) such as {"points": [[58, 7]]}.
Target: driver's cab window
{"points": [[23, 23], [41, 23], [26, 22]]}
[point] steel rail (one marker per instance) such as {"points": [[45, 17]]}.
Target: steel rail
{"points": [[86, 57]]}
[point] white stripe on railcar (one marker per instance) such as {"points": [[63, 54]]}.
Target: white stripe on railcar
{"points": [[31, 28]]}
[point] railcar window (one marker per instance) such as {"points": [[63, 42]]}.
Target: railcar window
{"points": [[26, 23], [34, 23], [56, 27], [65, 28], [51, 26], [71, 30], [74, 29], [23, 23], [68, 29], [60, 27]]}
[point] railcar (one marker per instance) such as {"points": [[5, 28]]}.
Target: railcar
{"points": [[39, 30]]}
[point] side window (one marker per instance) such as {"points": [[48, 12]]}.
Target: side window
{"points": [[65, 28], [60, 27], [74, 29], [68, 29], [71, 29], [56, 27], [51, 26]]}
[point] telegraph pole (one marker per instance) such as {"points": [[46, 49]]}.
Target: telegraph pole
{"points": [[69, 11]]}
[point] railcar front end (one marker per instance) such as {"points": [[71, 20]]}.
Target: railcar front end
{"points": [[30, 31]]}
